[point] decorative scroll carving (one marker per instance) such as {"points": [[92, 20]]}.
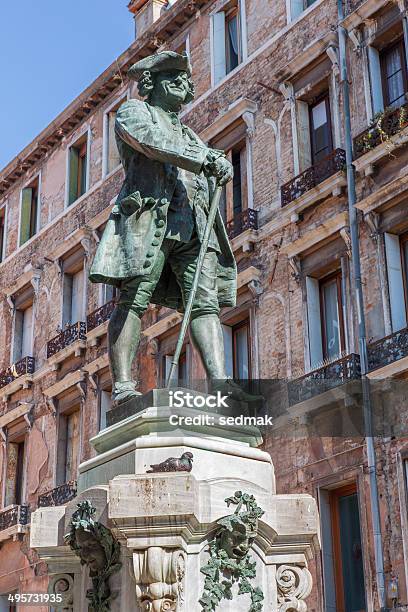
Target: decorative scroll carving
{"points": [[97, 548], [229, 562], [159, 574], [63, 586], [294, 586]]}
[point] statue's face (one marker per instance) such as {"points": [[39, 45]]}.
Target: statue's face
{"points": [[171, 88], [90, 551], [237, 543]]}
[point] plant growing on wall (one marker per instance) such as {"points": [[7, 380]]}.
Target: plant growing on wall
{"points": [[229, 561]]}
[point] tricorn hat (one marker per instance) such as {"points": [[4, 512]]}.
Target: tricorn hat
{"points": [[160, 62]]}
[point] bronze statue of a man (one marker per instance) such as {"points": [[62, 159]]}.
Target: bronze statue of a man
{"points": [[151, 243]]}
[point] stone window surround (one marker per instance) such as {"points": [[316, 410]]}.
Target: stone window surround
{"points": [[364, 17], [241, 4], [21, 411], [300, 64], [313, 240], [125, 95]]}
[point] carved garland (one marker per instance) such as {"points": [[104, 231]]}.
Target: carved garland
{"points": [[229, 562]]}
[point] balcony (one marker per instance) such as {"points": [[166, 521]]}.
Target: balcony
{"points": [[387, 351], [59, 496], [65, 338], [97, 322], [313, 176], [245, 220], [381, 132], [14, 519], [21, 368], [323, 379]]}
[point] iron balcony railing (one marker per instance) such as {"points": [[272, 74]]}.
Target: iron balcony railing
{"points": [[66, 337], [247, 219], [302, 183], [388, 124], [100, 315], [59, 495], [22, 367], [323, 379], [388, 349], [15, 515]]}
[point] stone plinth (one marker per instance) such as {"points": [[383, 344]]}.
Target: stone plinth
{"points": [[166, 520]]}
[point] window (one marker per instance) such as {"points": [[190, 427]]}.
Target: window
{"points": [[105, 404], [29, 211], [2, 233], [332, 316], [23, 333], [237, 350], [343, 572], [108, 293], [78, 169], [181, 375], [15, 472], [394, 75], [111, 155], [227, 41], [396, 251], [68, 446], [320, 129], [325, 318], [234, 194], [73, 298], [298, 6]]}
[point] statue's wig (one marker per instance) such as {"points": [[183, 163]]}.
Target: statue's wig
{"points": [[145, 86]]}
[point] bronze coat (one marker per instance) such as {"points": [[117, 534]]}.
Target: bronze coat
{"points": [[152, 147]]}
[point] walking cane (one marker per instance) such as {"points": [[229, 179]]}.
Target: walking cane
{"points": [[203, 250]]}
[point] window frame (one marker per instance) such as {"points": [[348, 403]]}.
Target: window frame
{"points": [[37, 178], [3, 243], [322, 282], [75, 143], [325, 96], [62, 452], [235, 328], [403, 240], [113, 106], [383, 52], [335, 495], [230, 13]]}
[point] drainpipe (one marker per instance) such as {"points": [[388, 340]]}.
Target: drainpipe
{"points": [[362, 338]]}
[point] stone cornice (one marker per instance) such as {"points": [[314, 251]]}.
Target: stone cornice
{"points": [[108, 82]]}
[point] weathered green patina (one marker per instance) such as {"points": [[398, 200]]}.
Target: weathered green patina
{"points": [[151, 243], [229, 561], [98, 549]]}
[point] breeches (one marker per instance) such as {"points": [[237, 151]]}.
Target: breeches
{"points": [[136, 293]]}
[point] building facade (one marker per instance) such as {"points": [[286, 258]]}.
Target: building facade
{"points": [[268, 92]]}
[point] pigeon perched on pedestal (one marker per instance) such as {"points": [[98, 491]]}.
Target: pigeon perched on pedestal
{"points": [[173, 464]]}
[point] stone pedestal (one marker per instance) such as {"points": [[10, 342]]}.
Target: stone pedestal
{"points": [[165, 521]]}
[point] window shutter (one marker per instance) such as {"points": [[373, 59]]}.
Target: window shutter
{"points": [[77, 297], [228, 350], [314, 321], [327, 551], [18, 335], [26, 343], [303, 127], [219, 56], [296, 8], [25, 221], [375, 80], [395, 281], [73, 174], [67, 300], [105, 405]]}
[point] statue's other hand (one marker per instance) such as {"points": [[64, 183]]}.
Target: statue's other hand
{"points": [[131, 204], [218, 167]]}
